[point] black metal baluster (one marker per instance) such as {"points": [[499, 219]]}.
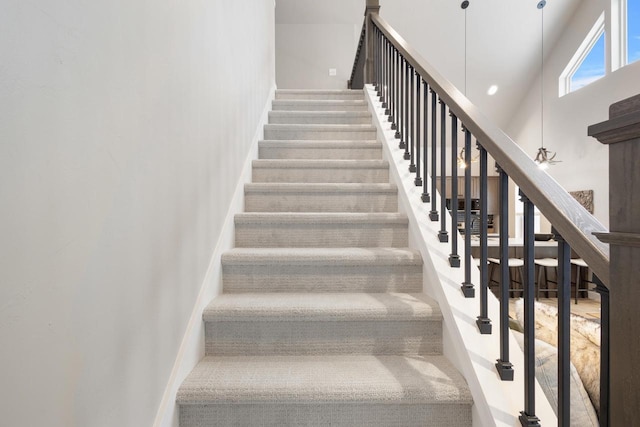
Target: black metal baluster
{"points": [[398, 95], [425, 126], [376, 58], [387, 111], [483, 321], [504, 367], [418, 180], [454, 258], [467, 287], [392, 85], [528, 416], [394, 103], [442, 234], [413, 121], [402, 118], [407, 94], [433, 215], [385, 75], [385, 41], [564, 319], [604, 415], [380, 61]]}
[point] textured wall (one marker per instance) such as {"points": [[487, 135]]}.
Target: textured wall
{"points": [[124, 126]]}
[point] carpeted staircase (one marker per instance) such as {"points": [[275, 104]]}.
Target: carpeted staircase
{"points": [[322, 321]]}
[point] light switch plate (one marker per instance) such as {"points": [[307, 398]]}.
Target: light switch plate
{"points": [[333, 72]]}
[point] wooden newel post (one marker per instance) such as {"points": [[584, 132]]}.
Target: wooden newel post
{"points": [[622, 133], [373, 6]]}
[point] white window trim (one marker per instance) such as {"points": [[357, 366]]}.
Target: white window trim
{"points": [[619, 54], [576, 61]]}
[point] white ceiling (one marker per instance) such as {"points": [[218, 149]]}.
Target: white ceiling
{"points": [[504, 48], [503, 39]]}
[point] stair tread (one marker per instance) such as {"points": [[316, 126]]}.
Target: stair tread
{"points": [[320, 91], [337, 188], [321, 163], [361, 102], [321, 127], [319, 113], [319, 143], [322, 307], [320, 217], [319, 256], [324, 379]]}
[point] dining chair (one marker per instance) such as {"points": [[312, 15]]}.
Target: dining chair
{"points": [[515, 264]]}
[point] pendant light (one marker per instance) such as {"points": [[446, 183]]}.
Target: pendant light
{"points": [[544, 157], [462, 164]]}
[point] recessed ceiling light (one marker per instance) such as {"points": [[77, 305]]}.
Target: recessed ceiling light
{"points": [[492, 90]]}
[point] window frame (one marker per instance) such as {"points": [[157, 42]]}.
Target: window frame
{"points": [[592, 37]]}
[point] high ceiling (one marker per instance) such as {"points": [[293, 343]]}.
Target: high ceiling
{"points": [[503, 43]]}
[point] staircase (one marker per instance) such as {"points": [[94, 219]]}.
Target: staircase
{"points": [[322, 321]]}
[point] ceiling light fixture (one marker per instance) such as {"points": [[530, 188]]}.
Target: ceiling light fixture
{"points": [[544, 158], [492, 90], [462, 164], [464, 5]]}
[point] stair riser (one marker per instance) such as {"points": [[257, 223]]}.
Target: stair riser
{"points": [[263, 337], [332, 119], [343, 96], [324, 135], [318, 106], [321, 236], [300, 202], [321, 153], [326, 414], [322, 278], [325, 175]]}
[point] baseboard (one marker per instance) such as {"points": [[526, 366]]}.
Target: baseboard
{"points": [[192, 347]]}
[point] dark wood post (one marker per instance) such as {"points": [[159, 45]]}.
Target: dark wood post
{"points": [[373, 6], [622, 133]]}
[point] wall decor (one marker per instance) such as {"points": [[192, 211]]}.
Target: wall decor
{"points": [[585, 198]]}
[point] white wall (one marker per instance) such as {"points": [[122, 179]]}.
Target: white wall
{"points": [[312, 37], [124, 126], [566, 119]]}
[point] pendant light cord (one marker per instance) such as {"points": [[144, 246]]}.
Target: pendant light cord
{"points": [[542, 79], [465, 52]]}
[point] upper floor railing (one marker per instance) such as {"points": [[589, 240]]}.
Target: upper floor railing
{"points": [[428, 113]]}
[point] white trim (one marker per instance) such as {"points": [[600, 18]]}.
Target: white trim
{"points": [[496, 403], [192, 347], [618, 34], [583, 51], [624, 33]]}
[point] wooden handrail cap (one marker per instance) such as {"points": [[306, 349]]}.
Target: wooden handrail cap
{"points": [[625, 106], [623, 124]]}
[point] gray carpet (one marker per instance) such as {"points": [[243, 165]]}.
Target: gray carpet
{"points": [[322, 321]]}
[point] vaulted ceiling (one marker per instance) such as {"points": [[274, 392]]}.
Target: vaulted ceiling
{"points": [[503, 39]]}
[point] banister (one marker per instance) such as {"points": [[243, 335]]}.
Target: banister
{"points": [[571, 220]]}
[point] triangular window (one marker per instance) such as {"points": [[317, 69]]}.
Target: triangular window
{"points": [[591, 68], [588, 63]]}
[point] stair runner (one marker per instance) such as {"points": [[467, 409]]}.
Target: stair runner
{"points": [[322, 320]]}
